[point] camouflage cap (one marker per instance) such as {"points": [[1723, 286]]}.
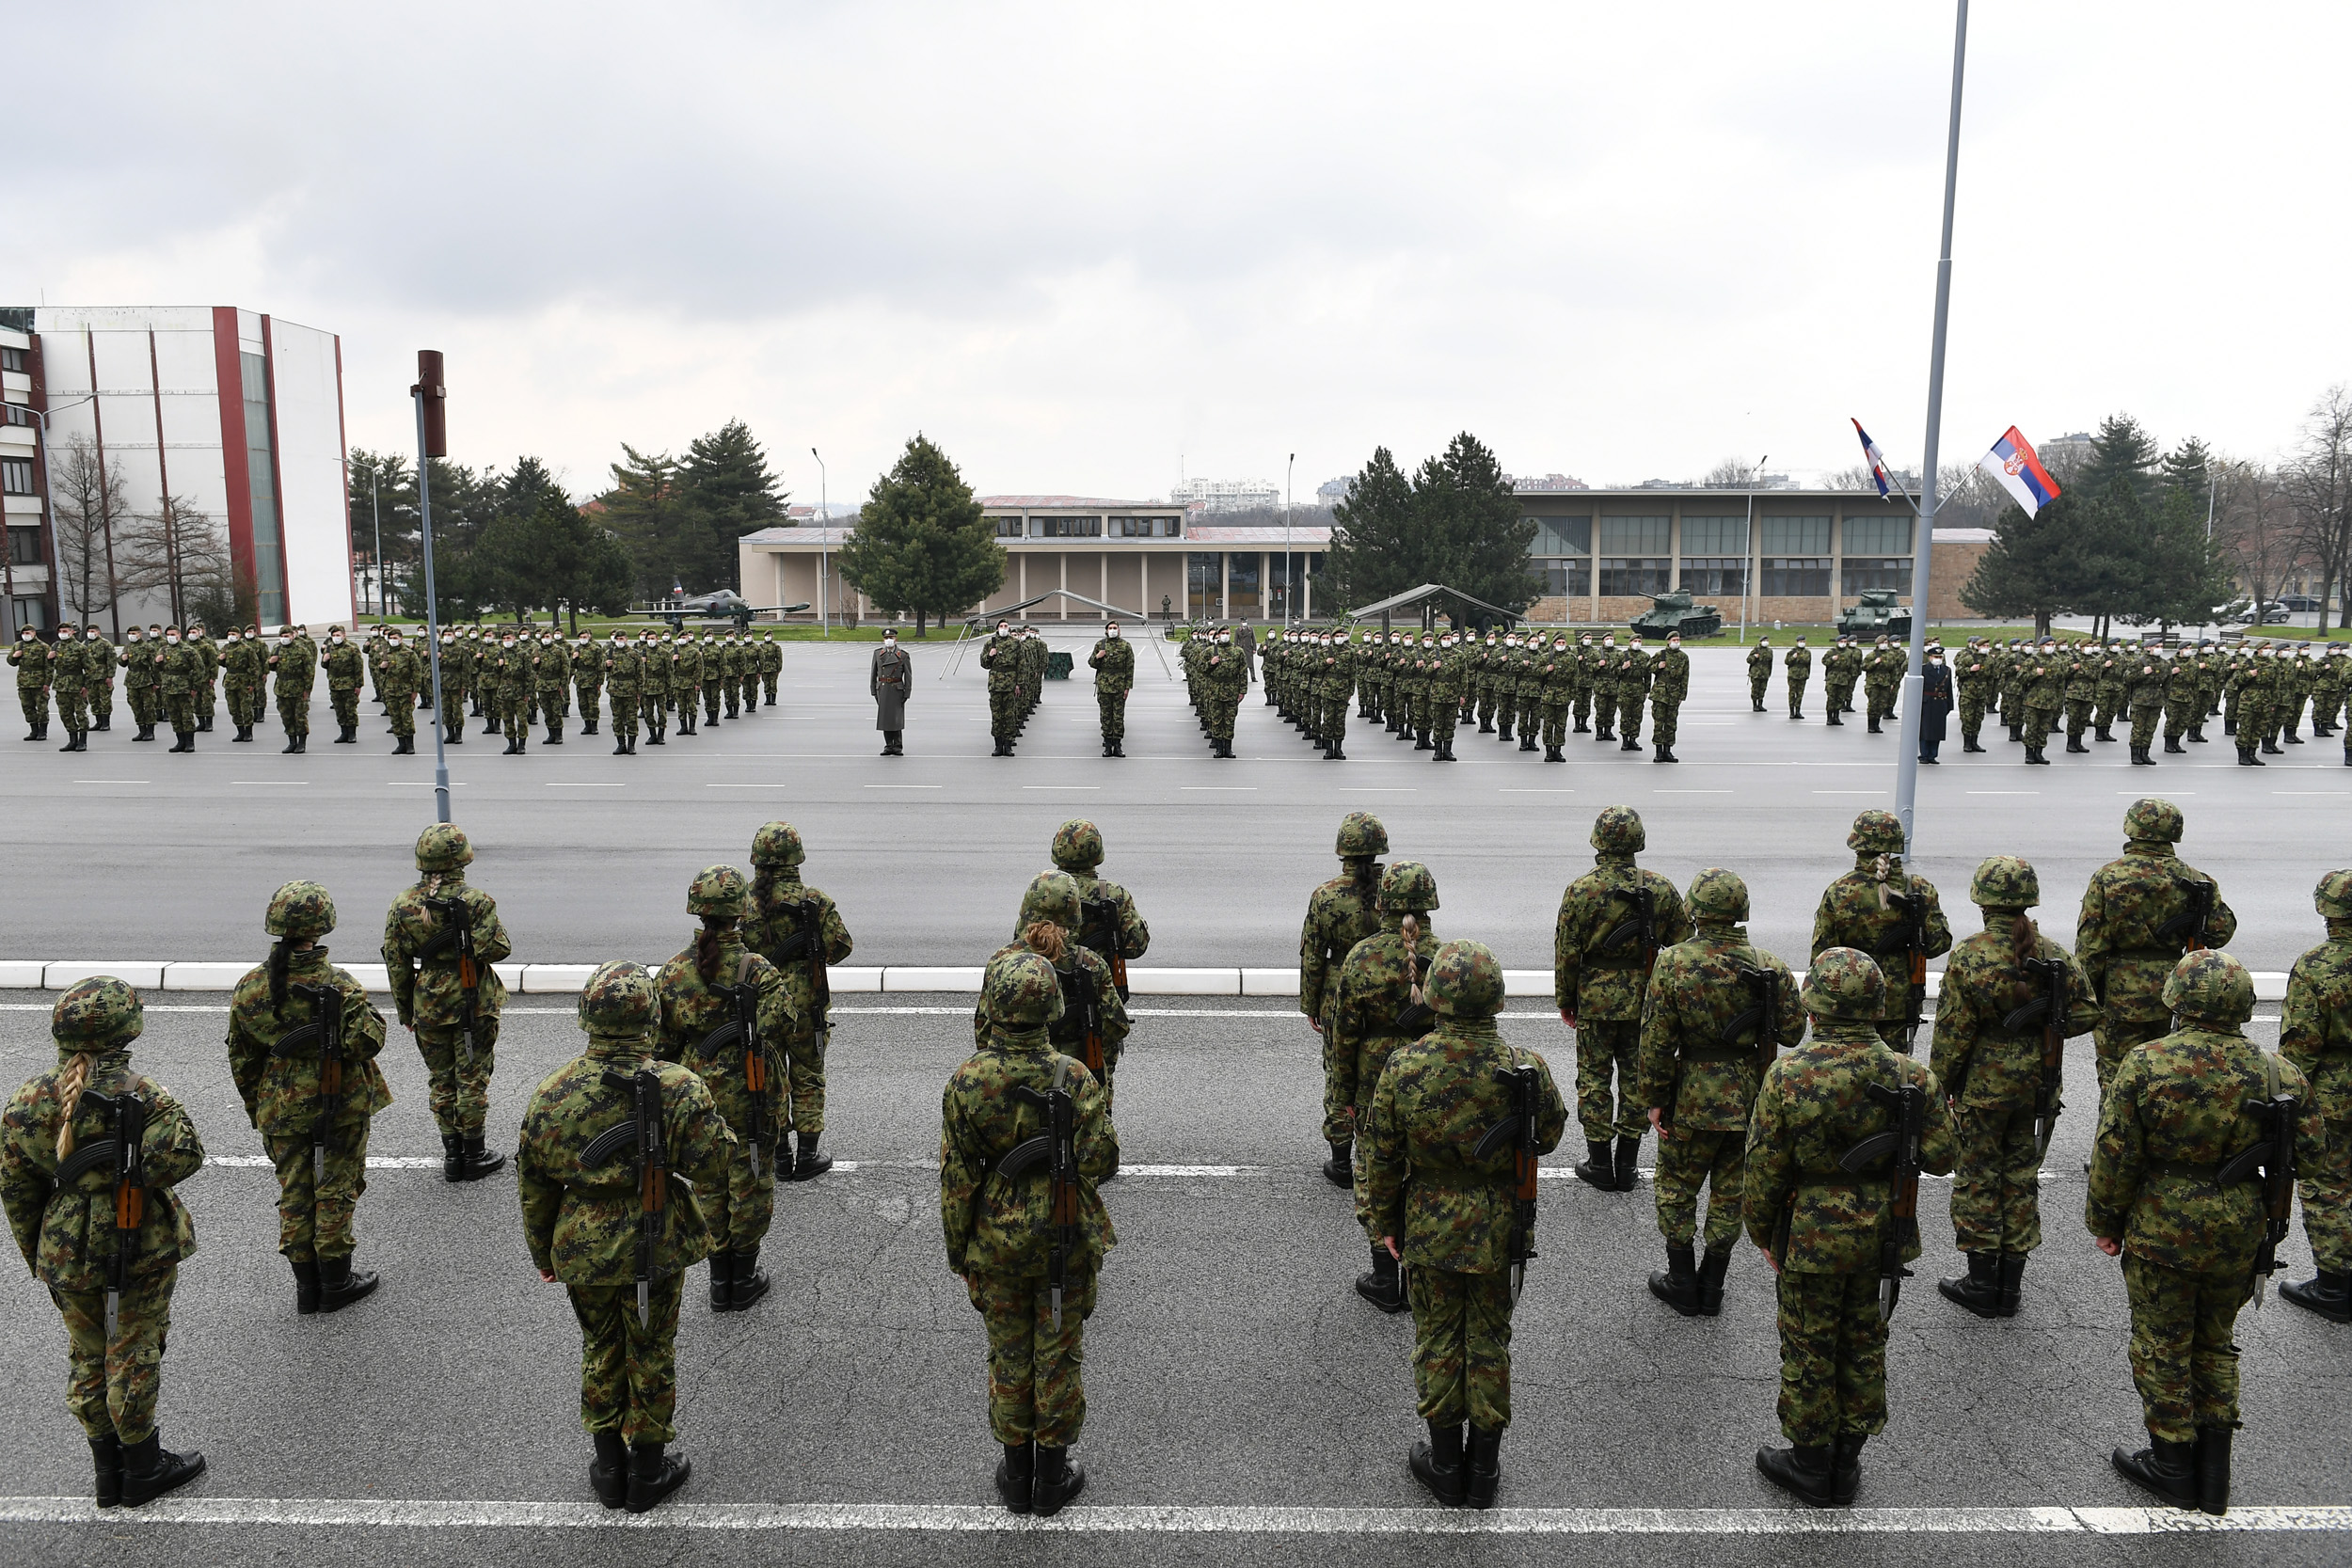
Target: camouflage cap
{"points": [[718, 890], [1407, 887], [1876, 832], [617, 998], [1844, 983], [1051, 895], [2005, 882], [1718, 895], [2333, 896], [1078, 846], [300, 909], [101, 1012], [2210, 985], [443, 847], [2153, 819], [1618, 831], [1362, 836], [1464, 980], [777, 844], [1022, 990]]}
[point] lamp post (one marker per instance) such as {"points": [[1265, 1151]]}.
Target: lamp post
{"points": [[1753, 562], [432, 399], [1290, 590], [824, 520], [376, 505]]}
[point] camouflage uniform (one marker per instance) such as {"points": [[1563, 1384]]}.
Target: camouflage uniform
{"points": [[588, 682], [2042, 692], [1340, 914], [181, 668], [1704, 1052], [553, 666], [998, 1229], [1000, 656], [347, 666], [771, 666], [1113, 663], [401, 673], [421, 961], [2315, 1034], [2183, 702], [456, 672], [1053, 897], [583, 1222], [1600, 992], [1823, 1225], [1224, 678], [66, 1231], [2177, 1110], [1883, 681], [1378, 990], [1669, 687], [137, 658], [296, 662], [1110, 926], [508, 673], [34, 663], [1841, 666], [1796, 669], [1858, 911], [652, 686], [2120, 935], [1448, 1210], [1759, 672], [1629, 675], [797, 929], [2147, 679], [624, 669]]}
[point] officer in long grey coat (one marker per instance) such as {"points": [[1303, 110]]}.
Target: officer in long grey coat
{"points": [[894, 673]]}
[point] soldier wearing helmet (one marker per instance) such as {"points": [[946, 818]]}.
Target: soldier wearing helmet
{"points": [[1717, 1013], [594, 1204], [1819, 1224], [1111, 927], [2139, 914], [2178, 1110], [993, 1213], [797, 928], [706, 995], [1887, 912], [1340, 914], [57, 1182], [442, 936], [1613, 921], [2315, 1034], [1439, 1197], [1093, 1024], [303, 1041], [1989, 1057]]}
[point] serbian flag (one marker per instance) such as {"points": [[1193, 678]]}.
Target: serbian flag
{"points": [[2017, 470], [1878, 459]]}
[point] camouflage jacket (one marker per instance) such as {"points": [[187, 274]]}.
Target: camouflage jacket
{"points": [[1799, 663], [281, 1093], [1691, 1058], [1438, 1098], [693, 1010], [1114, 665], [582, 1224], [2116, 933], [554, 666], [1629, 675], [34, 661], [425, 993], [401, 669], [996, 1224], [138, 665], [1853, 914], [296, 662], [1376, 984], [1340, 914], [587, 664], [244, 662], [1082, 972], [1814, 1106], [68, 1236], [182, 669], [2315, 1025], [686, 666], [346, 667], [777, 920], [1978, 1062], [1001, 657], [1116, 927], [624, 669], [2044, 684], [1608, 986], [1670, 676], [1759, 661], [2176, 1108]]}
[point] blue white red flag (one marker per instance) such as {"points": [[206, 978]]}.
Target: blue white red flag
{"points": [[2017, 470], [1878, 459]]}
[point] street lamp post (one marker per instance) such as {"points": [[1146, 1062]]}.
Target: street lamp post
{"points": [[1290, 590], [1752, 561], [824, 520], [375, 504], [431, 397]]}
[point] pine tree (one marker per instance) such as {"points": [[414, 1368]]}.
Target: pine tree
{"points": [[2122, 449], [2031, 566], [647, 510], [1473, 535], [1372, 550], [921, 543], [2188, 469], [729, 492]]}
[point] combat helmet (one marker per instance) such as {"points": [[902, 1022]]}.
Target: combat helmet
{"points": [[1844, 984], [618, 999], [1718, 895], [100, 1013], [2210, 985], [1021, 991], [2333, 896], [1876, 833], [300, 910], [1407, 888], [718, 890], [1464, 980], [1362, 836], [1078, 846], [777, 844], [1618, 831], [443, 847], [2153, 820], [1051, 895], [2005, 882]]}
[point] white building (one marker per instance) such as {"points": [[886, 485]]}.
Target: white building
{"points": [[1224, 495]]}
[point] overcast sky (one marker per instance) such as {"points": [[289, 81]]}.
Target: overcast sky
{"points": [[1081, 245]]}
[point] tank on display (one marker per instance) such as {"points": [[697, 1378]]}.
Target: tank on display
{"points": [[1880, 610], [1675, 612]]}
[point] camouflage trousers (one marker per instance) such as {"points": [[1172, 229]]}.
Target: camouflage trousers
{"points": [[2182, 1360], [180, 708], [710, 700], [293, 713], [402, 711], [1461, 1347], [1997, 1185], [102, 697], [1219, 710], [1833, 1356], [2115, 1038], [1689, 1158], [624, 704], [142, 703], [1340, 1103], [2039, 722], [629, 1371], [740, 1209], [655, 708], [2182, 717], [767, 682], [589, 696], [1555, 724], [1112, 706], [314, 1219], [72, 714], [730, 688], [750, 691], [1581, 704], [245, 704], [805, 1076], [1838, 693], [2110, 702], [1756, 689], [1604, 713], [460, 1090], [1444, 713], [452, 708], [1879, 697], [113, 1387], [1665, 722], [2078, 719], [1036, 1389], [2145, 718], [2327, 1200], [1629, 717], [1004, 712], [1605, 1052], [510, 707], [1796, 696], [345, 702], [555, 705]]}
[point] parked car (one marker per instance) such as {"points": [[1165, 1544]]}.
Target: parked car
{"points": [[2302, 604]]}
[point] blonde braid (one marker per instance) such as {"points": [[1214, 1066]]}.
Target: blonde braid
{"points": [[70, 1089]]}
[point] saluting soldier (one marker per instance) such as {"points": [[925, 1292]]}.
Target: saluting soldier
{"points": [[449, 996], [2139, 914], [1884, 911], [1760, 671], [797, 928], [1340, 914], [2315, 1034]]}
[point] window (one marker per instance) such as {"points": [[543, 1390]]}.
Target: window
{"points": [[1719, 576], [1798, 577], [1859, 576], [1071, 527], [1241, 583], [18, 413], [1562, 536], [1145, 528], [1006, 528], [1204, 584], [33, 613], [1573, 577], [11, 359], [1877, 536], [1634, 536], [1796, 536], [1625, 577], [1716, 536], [24, 546], [16, 475]]}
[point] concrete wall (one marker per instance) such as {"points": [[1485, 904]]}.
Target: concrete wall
{"points": [[306, 385]]}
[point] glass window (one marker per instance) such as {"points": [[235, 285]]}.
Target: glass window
{"points": [[1241, 583], [1071, 528], [1624, 536], [1715, 536], [270, 580], [16, 475], [1859, 575], [24, 546], [33, 613], [1006, 528], [11, 359], [1572, 576], [1625, 577], [1797, 578], [1143, 527], [1721, 576], [1562, 536], [19, 414], [1877, 536], [1204, 583], [1796, 536]]}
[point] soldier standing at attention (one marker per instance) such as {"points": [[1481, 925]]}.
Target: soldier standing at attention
{"points": [[1113, 661], [1880, 909], [1095, 1022], [1886, 680], [346, 667], [890, 684], [727, 660], [296, 662], [180, 668], [1631, 676], [1989, 1058], [771, 666], [1840, 664], [243, 673], [1759, 672], [303, 1039], [1820, 1224], [98, 673], [1670, 685], [2315, 1034], [2139, 914], [1111, 929], [711, 675], [554, 672], [623, 669], [402, 673], [2041, 688], [456, 664], [1603, 665], [1796, 671], [1447, 682], [1379, 1008], [583, 1212], [2147, 680], [507, 670], [2111, 692], [797, 928], [1340, 914], [65, 675], [1442, 1199], [1556, 683], [431, 975], [1614, 920], [2081, 694], [207, 690], [686, 680], [999, 1219], [33, 661], [653, 690], [1717, 1013], [1000, 656], [2179, 1111], [1225, 680], [58, 1144], [138, 659]]}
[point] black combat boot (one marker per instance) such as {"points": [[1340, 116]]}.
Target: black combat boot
{"points": [[106, 1459], [204, 723], [1629, 744], [2197, 736], [1015, 1474], [1437, 1464], [452, 1157], [305, 1288], [652, 1477], [1628, 1168], [2167, 1469], [2173, 747], [1503, 729], [294, 746], [1678, 1287], [1841, 723], [722, 1281], [244, 736], [1482, 1466], [609, 1475], [455, 734], [1486, 726], [147, 731], [2034, 757], [555, 734], [1422, 741], [1805, 1470], [1381, 1287], [810, 1164], [897, 742], [1582, 728], [654, 737], [339, 1284], [749, 1283], [1527, 741], [1597, 1169], [1666, 753], [350, 736], [2075, 746], [1553, 754], [186, 741], [2271, 747], [1845, 1468], [105, 723], [407, 747], [2009, 1279], [1970, 746], [1980, 1289], [2246, 757], [1337, 754], [1873, 722], [1712, 1267], [150, 1470], [2292, 738], [620, 746], [73, 741], [480, 1162], [510, 747], [587, 727], [2213, 1469], [1003, 748], [1056, 1482], [2329, 1293], [1339, 1170]]}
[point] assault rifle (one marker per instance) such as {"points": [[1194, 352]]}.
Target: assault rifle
{"points": [[457, 931], [1058, 1148], [1642, 930], [2273, 1159], [640, 1135], [742, 1032], [2050, 1009], [1910, 940], [808, 941], [1082, 1018], [326, 1030], [123, 1155], [1098, 928], [2188, 926], [1518, 1130], [1898, 1149]]}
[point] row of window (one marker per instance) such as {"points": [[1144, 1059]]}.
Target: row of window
{"points": [[1089, 527], [1637, 538], [1782, 576]]}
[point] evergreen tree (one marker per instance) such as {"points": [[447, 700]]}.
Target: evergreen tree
{"points": [[1472, 536], [2031, 565], [1372, 554], [921, 543], [2122, 448], [2187, 468], [729, 492], [647, 510]]}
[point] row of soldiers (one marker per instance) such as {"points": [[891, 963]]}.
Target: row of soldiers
{"points": [[1016, 659], [1878, 669], [1217, 678]]}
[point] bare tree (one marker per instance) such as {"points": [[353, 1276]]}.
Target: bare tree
{"points": [[88, 511], [1732, 473], [2257, 527], [2317, 481], [176, 547]]}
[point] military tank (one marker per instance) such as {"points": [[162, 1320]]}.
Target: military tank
{"points": [[1675, 612], [1880, 610]]}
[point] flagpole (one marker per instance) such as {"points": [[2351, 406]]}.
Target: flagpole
{"points": [[1923, 544]]}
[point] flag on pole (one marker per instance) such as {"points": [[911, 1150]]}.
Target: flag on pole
{"points": [[2017, 470], [1878, 459]]}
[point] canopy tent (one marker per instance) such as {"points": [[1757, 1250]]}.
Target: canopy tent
{"points": [[1012, 612], [1425, 597]]}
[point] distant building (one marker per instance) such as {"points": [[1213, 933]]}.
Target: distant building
{"points": [[1224, 495], [1548, 482], [1333, 491]]}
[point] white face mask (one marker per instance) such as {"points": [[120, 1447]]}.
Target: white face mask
{"points": [[1111, 632], [172, 638]]}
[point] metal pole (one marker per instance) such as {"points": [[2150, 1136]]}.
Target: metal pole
{"points": [[824, 520], [375, 504], [1289, 474], [1748, 561], [431, 612], [1923, 543]]}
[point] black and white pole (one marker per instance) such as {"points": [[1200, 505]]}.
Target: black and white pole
{"points": [[432, 399]]}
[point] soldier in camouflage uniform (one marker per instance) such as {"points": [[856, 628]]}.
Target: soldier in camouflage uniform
{"points": [[1760, 671], [1113, 663], [57, 1182], [686, 681], [1629, 672], [1225, 677], [1669, 688], [2138, 915], [244, 679], [1705, 1046], [797, 928], [1976, 672], [137, 660], [1000, 656], [1883, 682], [34, 663], [507, 671], [623, 668], [456, 669], [697, 992], [588, 681], [998, 1229], [1601, 969], [1440, 1202], [652, 686], [289, 1084], [1378, 1007], [1821, 1225], [2147, 679], [1340, 914], [1841, 666], [2179, 1109], [402, 673], [1048, 924], [583, 1222], [1796, 669], [296, 662], [2315, 1034], [553, 666], [347, 666], [1111, 927], [1860, 910], [98, 673], [423, 963], [1988, 1056], [2112, 693]]}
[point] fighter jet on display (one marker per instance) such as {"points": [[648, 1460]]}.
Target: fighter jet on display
{"points": [[719, 605]]}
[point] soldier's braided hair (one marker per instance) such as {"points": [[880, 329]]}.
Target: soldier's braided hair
{"points": [[2020, 939], [707, 941], [70, 1089], [280, 953]]}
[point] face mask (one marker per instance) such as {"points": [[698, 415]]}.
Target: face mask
{"points": [[133, 637], [1112, 633], [174, 640], [338, 637]]}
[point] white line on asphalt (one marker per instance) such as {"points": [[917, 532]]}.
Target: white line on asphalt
{"points": [[1249, 789], [747, 786], [1382, 789], [1061, 786], [1098, 1519], [2005, 792], [244, 782], [1508, 790], [1692, 792], [553, 785], [2335, 792], [906, 787], [1850, 792], [2167, 793], [110, 781]]}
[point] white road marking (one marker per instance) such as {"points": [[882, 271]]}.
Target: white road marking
{"points": [[1508, 790], [1061, 786], [587, 786], [241, 782], [2005, 792], [110, 781], [905, 786], [1247, 789]]}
